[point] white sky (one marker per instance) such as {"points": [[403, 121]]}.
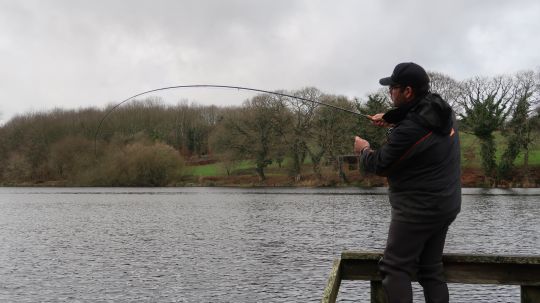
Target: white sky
{"points": [[79, 53]]}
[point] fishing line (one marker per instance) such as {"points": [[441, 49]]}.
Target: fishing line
{"points": [[220, 86]]}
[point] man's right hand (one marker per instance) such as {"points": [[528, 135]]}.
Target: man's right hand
{"points": [[378, 120]]}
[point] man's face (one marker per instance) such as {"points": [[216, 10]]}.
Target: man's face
{"points": [[400, 95]]}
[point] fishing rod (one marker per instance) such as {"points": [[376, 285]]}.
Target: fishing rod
{"points": [[220, 86]]}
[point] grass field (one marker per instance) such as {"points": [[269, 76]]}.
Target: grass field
{"points": [[218, 169], [470, 151]]}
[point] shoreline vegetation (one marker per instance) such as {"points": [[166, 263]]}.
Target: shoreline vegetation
{"points": [[143, 162], [473, 180], [269, 140], [470, 178]]}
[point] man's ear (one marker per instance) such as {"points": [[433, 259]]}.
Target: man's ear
{"points": [[409, 92]]}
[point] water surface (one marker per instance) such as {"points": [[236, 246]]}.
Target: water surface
{"points": [[226, 245]]}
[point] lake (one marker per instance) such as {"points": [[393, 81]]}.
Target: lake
{"points": [[226, 244]]}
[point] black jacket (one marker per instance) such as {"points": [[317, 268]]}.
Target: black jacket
{"points": [[421, 160]]}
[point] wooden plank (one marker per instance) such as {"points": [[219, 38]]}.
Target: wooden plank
{"points": [[506, 259], [486, 273], [334, 281], [452, 257], [366, 270]]}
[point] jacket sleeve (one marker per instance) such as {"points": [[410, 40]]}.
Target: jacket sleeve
{"points": [[400, 142]]}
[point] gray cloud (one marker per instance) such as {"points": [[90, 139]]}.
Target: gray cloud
{"points": [[74, 54]]}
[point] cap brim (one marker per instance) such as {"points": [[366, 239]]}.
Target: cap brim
{"points": [[386, 81]]}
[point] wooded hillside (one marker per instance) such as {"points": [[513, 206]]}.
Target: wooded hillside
{"points": [[149, 143]]}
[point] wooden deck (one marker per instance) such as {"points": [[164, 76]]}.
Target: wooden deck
{"points": [[459, 268]]}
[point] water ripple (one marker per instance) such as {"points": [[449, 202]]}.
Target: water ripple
{"points": [[224, 245]]}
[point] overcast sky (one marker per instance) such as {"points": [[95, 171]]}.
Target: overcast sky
{"points": [[79, 53]]}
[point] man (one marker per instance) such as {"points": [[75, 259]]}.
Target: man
{"points": [[421, 160]]}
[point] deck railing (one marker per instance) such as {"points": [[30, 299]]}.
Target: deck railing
{"points": [[459, 268]]}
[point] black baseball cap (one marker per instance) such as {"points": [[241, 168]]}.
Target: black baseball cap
{"points": [[407, 74]]}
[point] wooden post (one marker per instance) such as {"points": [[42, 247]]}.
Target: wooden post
{"points": [[334, 281], [530, 294], [342, 175], [377, 292]]}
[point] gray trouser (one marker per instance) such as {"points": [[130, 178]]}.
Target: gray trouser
{"points": [[415, 248]]}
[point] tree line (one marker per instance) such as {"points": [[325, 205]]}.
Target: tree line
{"points": [[149, 143]]}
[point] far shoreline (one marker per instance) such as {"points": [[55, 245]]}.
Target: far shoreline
{"points": [[470, 178]]}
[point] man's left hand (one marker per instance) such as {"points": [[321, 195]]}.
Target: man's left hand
{"points": [[360, 144]]}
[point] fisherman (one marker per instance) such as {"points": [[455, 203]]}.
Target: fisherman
{"points": [[421, 160]]}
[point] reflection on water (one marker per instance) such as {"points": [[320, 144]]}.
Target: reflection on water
{"points": [[225, 245]]}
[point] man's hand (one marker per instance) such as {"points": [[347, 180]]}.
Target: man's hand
{"points": [[359, 145], [378, 120]]}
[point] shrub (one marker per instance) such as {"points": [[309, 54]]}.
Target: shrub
{"points": [[138, 164]]}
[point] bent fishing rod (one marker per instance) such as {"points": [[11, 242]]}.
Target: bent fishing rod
{"points": [[220, 86]]}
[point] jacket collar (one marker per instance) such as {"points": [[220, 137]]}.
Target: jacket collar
{"points": [[397, 114]]}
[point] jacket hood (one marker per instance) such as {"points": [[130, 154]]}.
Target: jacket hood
{"points": [[430, 111]]}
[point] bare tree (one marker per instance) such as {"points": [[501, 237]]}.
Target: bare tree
{"points": [[447, 87], [300, 127], [251, 131]]}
